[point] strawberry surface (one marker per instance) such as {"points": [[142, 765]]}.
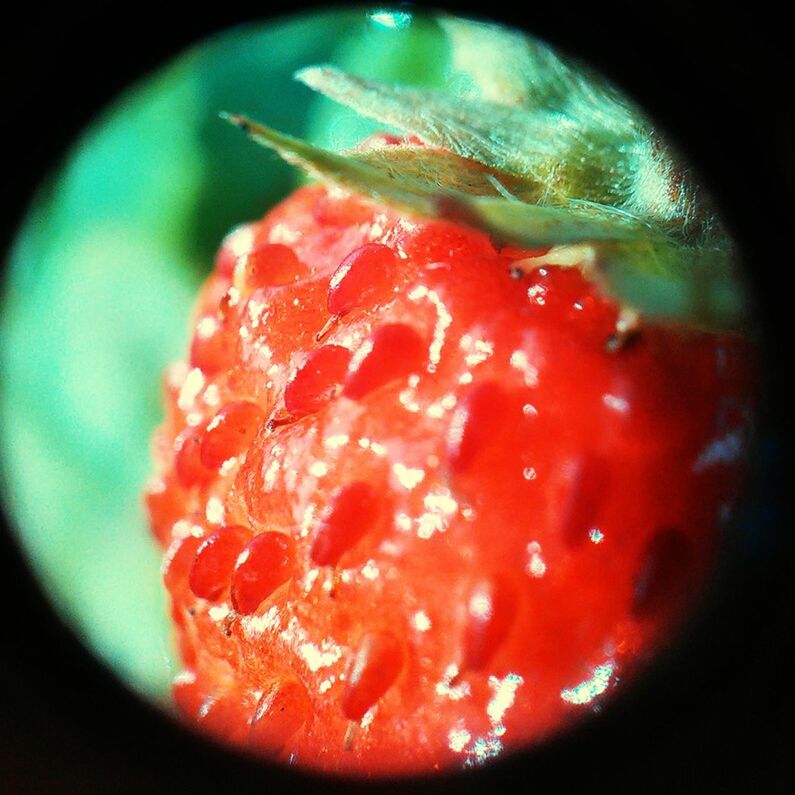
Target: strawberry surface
{"points": [[421, 504]]}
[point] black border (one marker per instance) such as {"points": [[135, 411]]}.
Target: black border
{"points": [[721, 81]]}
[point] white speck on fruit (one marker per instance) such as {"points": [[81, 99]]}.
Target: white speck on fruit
{"points": [[440, 501], [446, 688], [317, 657], [368, 717], [193, 384], [270, 474], [227, 466], [193, 419], [214, 511], [421, 621], [307, 519], [257, 625], [483, 748], [443, 322], [219, 612], [430, 523], [520, 362], [537, 294], [206, 327], [479, 350], [407, 400], [587, 691], [318, 469], [616, 403], [233, 296], [370, 571], [283, 233], [211, 396], [310, 578], [403, 522], [254, 310], [468, 513], [184, 528], [457, 739], [536, 566], [504, 696], [438, 409], [336, 441], [408, 477], [378, 448]]}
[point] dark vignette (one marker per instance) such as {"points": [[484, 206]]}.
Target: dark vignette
{"points": [[713, 711]]}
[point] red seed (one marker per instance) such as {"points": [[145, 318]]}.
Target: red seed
{"points": [[235, 245], [583, 495], [178, 560], [664, 576], [392, 352], [186, 694], [265, 563], [355, 510], [342, 209], [230, 432], [164, 504], [364, 278], [371, 672], [187, 458], [283, 709], [443, 241], [227, 715], [490, 613], [479, 417], [269, 265], [317, 381], [215, 560], [213, 347]]}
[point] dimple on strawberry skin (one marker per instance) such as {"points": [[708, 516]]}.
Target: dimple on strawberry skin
{"points": [[430, 490]]}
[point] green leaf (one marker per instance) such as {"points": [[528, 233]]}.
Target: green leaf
{"points": [[589, 148], [504, 66], [537, 152]]}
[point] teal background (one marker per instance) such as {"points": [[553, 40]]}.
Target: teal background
{"points": [[100, 283]]}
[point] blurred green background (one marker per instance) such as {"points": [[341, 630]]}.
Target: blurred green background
{"points": [[100, 283]]}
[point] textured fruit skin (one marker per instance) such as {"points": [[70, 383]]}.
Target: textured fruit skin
{"points": [[540, 506]]}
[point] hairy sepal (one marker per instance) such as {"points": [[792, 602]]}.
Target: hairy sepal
{"points": [[634, 262]]}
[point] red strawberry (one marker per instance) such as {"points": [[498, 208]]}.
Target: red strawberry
{"points": [[430, 496]]}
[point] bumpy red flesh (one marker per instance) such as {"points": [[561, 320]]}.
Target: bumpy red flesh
{"points": [[470, 515]]}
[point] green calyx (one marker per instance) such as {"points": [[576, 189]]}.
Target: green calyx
{"points": [[537, 153]]}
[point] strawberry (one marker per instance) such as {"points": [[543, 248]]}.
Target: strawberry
{"points": [[447, 461]]}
